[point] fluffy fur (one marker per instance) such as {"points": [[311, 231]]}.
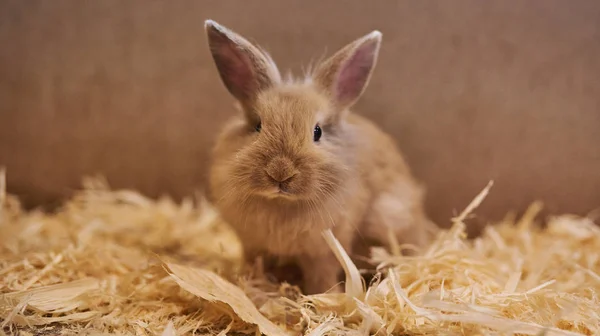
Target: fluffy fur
{"points": [[280, 189]]}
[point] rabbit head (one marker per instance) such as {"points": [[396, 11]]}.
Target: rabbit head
{"points": [[291, 142]]}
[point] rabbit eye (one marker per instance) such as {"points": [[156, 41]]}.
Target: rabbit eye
{"points": [[258, 127], [317, 133]]}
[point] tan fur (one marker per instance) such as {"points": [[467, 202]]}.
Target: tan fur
{"points": [[353, 180]]}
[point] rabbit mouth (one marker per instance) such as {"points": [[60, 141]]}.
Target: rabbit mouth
{"points": [[279, 191], [282, 192]]}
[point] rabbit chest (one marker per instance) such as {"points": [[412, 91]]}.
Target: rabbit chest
{"points": [[292, 231]]}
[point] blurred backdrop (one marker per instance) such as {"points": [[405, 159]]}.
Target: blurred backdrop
{"points": [[472, 91]]}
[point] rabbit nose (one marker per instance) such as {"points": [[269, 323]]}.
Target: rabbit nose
{"points": [[281, 169]]}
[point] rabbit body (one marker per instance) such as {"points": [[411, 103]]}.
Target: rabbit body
{"points": [[297, 162]]}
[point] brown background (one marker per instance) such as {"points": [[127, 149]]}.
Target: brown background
{"points": [[472, 90]]}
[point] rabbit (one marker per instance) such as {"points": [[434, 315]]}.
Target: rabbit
{"points": [[295, 161]]}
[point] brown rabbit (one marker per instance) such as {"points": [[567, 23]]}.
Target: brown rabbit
{"points": [[297, 162]]}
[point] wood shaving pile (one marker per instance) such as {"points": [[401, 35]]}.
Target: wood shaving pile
{"points": [[116, 262]]}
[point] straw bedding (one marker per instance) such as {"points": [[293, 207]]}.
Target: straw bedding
{"points": [[116, 262]]}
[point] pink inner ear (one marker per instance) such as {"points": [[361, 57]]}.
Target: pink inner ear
{"points": [[355, 72], [236, 69]]}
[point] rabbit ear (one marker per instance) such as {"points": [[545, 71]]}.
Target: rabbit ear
{"points": [[244, 68], [346, 74]]}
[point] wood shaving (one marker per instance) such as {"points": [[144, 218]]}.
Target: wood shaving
{"points": [[115, 262]]}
